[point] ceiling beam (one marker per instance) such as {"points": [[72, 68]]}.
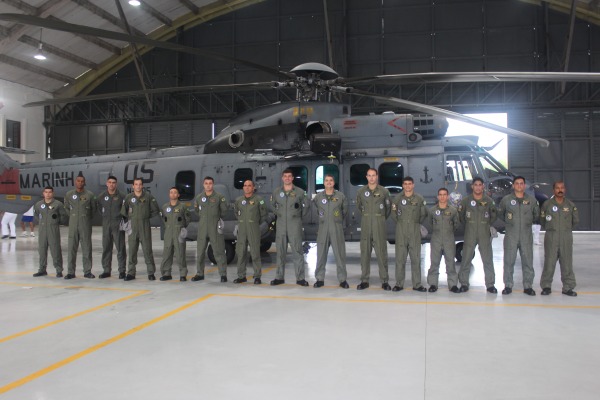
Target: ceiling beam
{"points": [[50, 49], [156, 14], [35, 69], [585, 12], [105, 15], [191, 6], [94, 40], [88, 82], [21, 5], [17, 30]]}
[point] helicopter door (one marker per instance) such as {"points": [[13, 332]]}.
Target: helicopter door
{"points": [[353, 178], [319, 170], [460, 170]]}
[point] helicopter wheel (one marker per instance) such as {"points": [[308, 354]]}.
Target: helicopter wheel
{"points": [[229, 253], [459, 249]]}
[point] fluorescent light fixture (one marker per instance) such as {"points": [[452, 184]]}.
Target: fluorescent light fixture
{"points": [[135, 3], [40, 53]]}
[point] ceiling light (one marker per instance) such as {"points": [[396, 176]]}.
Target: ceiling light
{"points": [[135, 3], [40, 53]]}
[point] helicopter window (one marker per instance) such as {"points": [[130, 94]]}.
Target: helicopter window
{"points": [[492, 167], [358, 174], [327, 169], [185, 182], [459, 168], [300, 177], [240, 176], [391, 175]]}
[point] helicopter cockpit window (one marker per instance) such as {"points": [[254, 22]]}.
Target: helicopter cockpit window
{"points": [[358, 174], [185, 182], [390, 176], [492, 167], [300, 177], [240, 176], [326, 169], [460, 168]]}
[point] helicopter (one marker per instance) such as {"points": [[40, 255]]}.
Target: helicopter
{"points": [[312, 136]]}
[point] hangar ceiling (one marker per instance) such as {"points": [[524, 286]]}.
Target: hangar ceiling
{"points": [[75, 64]]}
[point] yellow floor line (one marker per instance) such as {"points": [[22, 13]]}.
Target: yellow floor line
{"points": [[72, 316], [90, 350]]}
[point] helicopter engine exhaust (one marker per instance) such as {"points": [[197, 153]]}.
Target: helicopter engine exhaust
{"points": [[236, 139], [322, 139]]}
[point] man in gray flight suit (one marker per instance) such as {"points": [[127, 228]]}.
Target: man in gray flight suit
{"points": [[50, 213], [110, 202], [176, 217], [250, 211], [289, 204], [444, 221], [211, 208], [81, 205], [374, 204], [409, 212], [139, 207], [477, 213], [519, 211], [332, 207], [558, 216]]}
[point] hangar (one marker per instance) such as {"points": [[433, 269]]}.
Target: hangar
{"points": [[281, 343]]}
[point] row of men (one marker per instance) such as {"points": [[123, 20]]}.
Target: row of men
{"points": [[477, 213]]}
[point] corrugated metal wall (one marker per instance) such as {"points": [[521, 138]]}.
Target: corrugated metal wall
{"points": [[573, 155]]}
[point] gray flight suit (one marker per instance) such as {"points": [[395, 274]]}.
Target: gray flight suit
{"points": [[519, 214], [210, 209], [50, 216], [477, 216], [109, 207], [444, 222], [289, 207], [332, 211], [558, 220], [375, 207], [409, 213], [81, 207], [139, 210], [250, 213], [175, 218]]}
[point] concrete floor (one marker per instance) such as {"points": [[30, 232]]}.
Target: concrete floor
{"points": [[109, 339]]}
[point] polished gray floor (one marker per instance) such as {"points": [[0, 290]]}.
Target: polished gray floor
{"points": [[109, 339]]}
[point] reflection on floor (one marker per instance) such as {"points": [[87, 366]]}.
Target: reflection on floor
{"points": [[109, 339]]}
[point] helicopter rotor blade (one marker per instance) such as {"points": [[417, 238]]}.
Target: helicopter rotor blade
{"points": [[469, 77], [86, 30], [132, 93], [446, 113]]}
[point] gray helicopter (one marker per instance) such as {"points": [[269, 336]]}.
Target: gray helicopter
{"points": [[310, 136]]}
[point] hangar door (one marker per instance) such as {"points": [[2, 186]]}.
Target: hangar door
{"points": [[573, 155]]}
